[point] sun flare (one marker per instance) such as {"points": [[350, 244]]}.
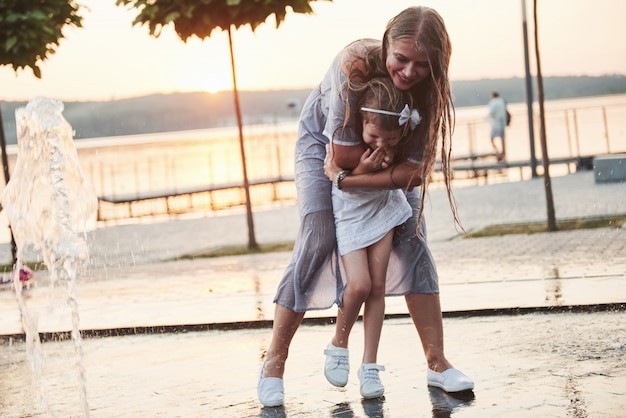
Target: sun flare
{"points": [[213, 83], [210, 82]]}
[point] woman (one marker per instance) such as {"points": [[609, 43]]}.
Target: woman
{"points": [[415, 54]]}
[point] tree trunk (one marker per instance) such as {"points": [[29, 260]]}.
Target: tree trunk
{"points": [[5, 166], [544, 144], [252, 244]]}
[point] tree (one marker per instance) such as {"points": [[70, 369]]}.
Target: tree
{"points": [[542, 133], [199, 18], [30, 32]]}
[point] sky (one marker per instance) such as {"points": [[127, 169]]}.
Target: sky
{"points": [[109, 58]]}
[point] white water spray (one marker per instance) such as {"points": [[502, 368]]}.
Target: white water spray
{"points": [[48, 204]]}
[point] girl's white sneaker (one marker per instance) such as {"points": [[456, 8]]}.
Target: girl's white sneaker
{"points": [[337, 365], [370, 384]]}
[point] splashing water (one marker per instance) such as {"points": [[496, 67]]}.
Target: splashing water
{"points": [[48, 204]]}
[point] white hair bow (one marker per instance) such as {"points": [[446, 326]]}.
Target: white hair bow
{"points": [[412, 116]]}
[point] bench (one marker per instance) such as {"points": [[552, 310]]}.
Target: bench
{"points": [[129, 199], [608, 168], [481, 168]]}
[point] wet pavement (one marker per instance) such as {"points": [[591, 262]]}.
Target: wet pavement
{"points": [[539, 321]]}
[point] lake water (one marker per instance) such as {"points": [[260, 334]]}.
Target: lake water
{"points": [[176, 161]]}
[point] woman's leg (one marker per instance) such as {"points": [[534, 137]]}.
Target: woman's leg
{"points": [[425, 310], [426, 313], [312, 251], [286, 323]]}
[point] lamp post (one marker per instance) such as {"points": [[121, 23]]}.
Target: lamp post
{"points": [[529, 94]]}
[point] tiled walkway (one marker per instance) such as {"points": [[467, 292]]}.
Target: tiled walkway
{"points": [[525, 365]]}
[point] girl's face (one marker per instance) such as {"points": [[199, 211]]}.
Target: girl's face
{"points": [[376, 137], [406, 64]]}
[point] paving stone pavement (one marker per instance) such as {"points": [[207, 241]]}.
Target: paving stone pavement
{"points": [[525, 364]]}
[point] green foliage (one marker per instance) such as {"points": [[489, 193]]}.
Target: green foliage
{"points": [[30, 30], [201, 17]]}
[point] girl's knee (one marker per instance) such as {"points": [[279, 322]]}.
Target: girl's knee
{"points": [[359, 289], [377, 290]]}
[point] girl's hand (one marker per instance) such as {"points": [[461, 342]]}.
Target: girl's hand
{"points": [[390, 154], [372, 161]]}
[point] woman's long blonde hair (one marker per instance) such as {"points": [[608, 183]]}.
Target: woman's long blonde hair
{"points": [[433, 96]]}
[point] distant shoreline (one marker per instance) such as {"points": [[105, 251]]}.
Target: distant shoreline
{"points": [[199, 110]]}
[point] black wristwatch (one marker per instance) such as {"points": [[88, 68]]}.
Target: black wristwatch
{"points": [[340, 176]]}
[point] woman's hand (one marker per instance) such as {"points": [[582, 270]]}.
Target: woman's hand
{"points": [[330, 168]]}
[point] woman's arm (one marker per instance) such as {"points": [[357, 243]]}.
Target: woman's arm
{"points": [[347, 157], [342, 115], [402, 175], [370, 160]]}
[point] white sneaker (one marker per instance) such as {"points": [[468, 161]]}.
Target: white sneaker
{"points": [[371, 386], [337, 366], [450, 380], [270, 390]]}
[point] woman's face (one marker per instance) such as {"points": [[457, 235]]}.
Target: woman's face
{"points": [[406, 64]]}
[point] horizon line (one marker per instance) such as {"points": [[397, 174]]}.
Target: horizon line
{"points": [[275, 89]]}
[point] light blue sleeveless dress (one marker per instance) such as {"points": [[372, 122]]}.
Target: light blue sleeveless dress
{"points": [[313, 278]]}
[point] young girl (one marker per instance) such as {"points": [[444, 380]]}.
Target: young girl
{"points": [[364, 221]]}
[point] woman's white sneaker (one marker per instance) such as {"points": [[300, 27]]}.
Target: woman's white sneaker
{"points": [[270, 390], [450, 380], [370, 384]]}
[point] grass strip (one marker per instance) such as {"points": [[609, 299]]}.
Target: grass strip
{"points": [[616, 221]]}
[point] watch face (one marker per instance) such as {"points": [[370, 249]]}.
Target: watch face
{"points": [[342, 175]]}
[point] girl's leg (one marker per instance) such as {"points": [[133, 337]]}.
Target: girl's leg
{"points": [[286, 323], [374, 313], [370, 385], [358, 286]]}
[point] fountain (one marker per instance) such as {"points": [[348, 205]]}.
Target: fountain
{"points": [[48, 204]]}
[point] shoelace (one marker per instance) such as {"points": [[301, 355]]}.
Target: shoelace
{"points": [[370, 374], [338, 359], [341, 361]]}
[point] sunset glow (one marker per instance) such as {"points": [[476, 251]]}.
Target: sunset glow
{"points": [[109, 58]]}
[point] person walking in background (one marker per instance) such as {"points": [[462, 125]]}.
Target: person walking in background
{"points": [[499, 121], [364, 220], [415, 54]]}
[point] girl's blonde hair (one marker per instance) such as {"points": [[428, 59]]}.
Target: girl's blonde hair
{"points": [[380, 93]]}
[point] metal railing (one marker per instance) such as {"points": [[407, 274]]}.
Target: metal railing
{"points": [[175, 173]]}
